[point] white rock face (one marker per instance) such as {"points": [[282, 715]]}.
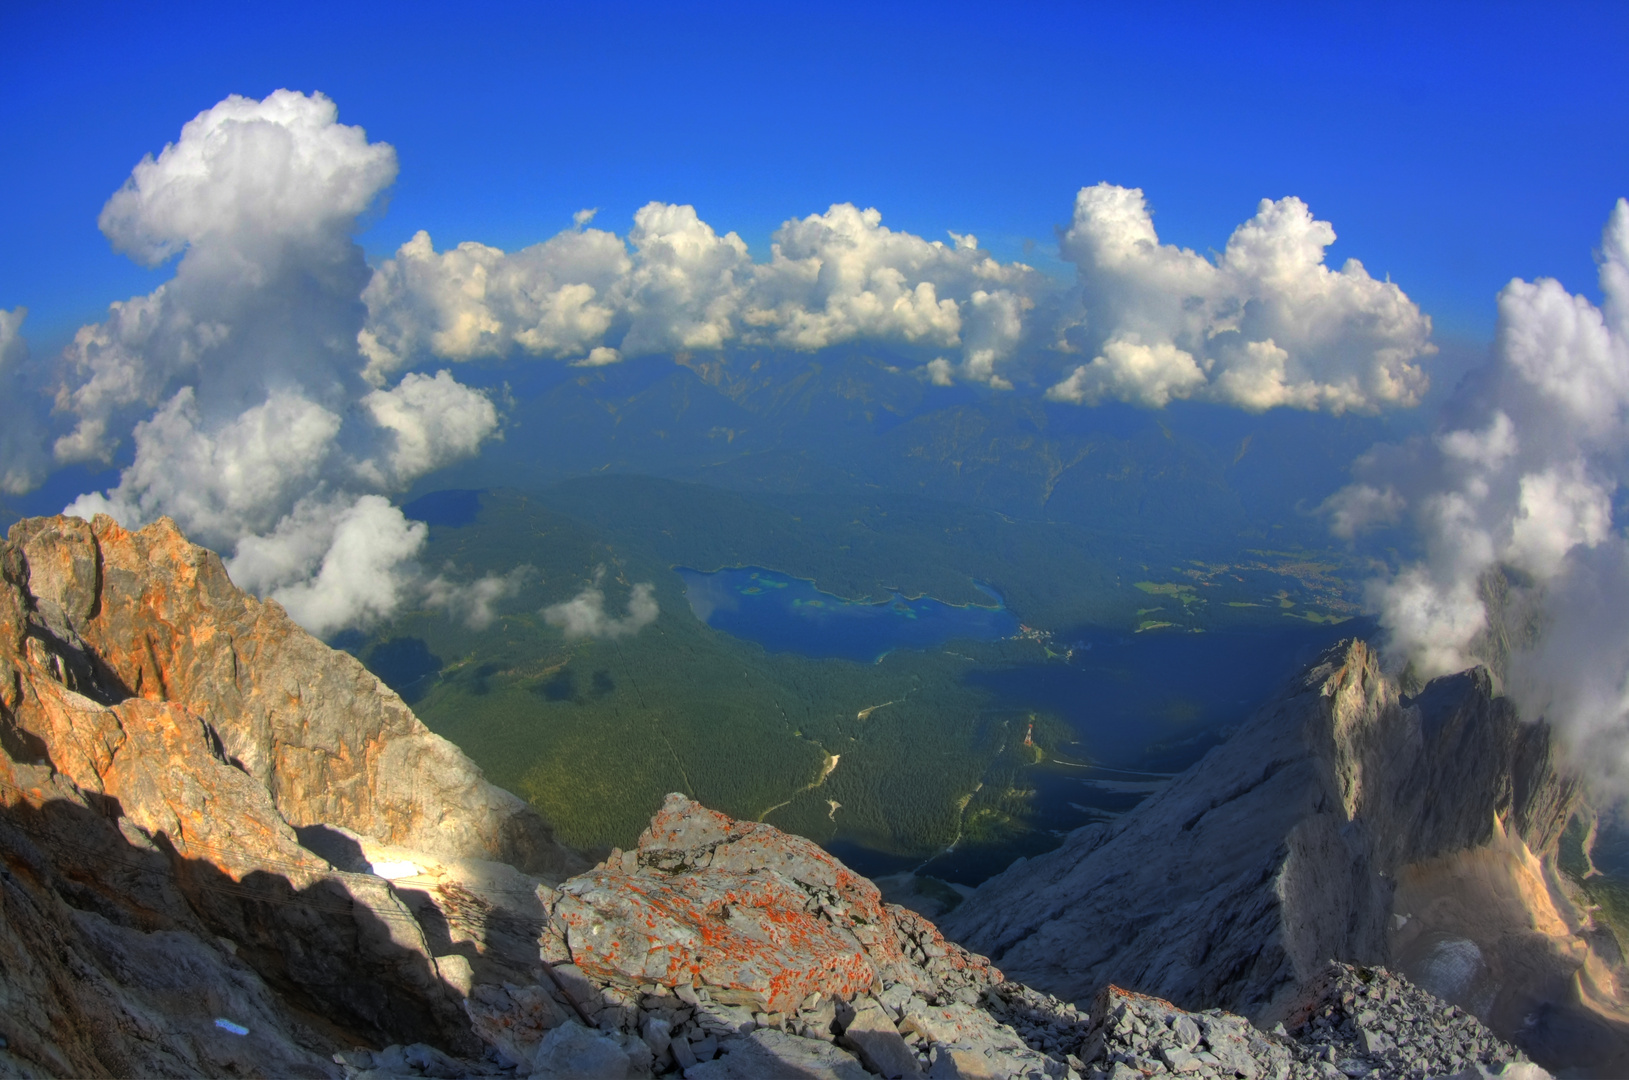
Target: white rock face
{"points": [[1282, 848]]}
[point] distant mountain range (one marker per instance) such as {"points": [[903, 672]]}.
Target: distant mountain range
{"points": [[840, 420]]}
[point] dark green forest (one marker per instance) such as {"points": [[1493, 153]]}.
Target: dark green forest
{"points": [[595, 732]]}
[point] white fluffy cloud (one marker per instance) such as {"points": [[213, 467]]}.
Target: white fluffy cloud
{"points": [[247, 180], [1523, 481], [1131, 371], [686, 284], [678, 284], [226, 479], [240, 381], [334, 563], [434, 420], [22, 464], [843, 275], [1265, 325], [554, 299], [269, 393], [584, 615], [474, 603]]}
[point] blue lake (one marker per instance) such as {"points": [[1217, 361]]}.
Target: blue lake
{"points": [[787, 614]]}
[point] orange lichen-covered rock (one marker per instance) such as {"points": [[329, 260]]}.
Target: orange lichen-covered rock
{"points": [[169, 747], [760, 917], [159, 619], [748, 934]]}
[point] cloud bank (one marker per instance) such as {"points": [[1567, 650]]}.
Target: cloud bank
{"points": [[1265, 325], [277, 391], [239, 381], [1521, 482], [677, 284]]}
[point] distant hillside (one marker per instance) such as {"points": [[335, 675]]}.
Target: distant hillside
{"points": [[1191, 475]]}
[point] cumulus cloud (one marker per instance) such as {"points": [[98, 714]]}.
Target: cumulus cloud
{"points": [[1266, 324], [222, 479], [434, 420], [555, 299], [678, 284], [334, 563], [247, 180], [240, 381], [269, 398], [474, 603], [842, 275], [585, 616], [22, 461], [1512, 500], [1131, 371], [599, 356]]}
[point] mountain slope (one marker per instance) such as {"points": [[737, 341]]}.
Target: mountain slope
{"points": [[1284, 848], [156, 618]]}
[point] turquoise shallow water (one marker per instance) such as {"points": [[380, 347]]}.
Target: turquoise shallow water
{"points": [[787, 614]]}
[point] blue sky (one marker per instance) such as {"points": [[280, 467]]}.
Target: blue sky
{"points": [[274, 394], [1452, 148]]}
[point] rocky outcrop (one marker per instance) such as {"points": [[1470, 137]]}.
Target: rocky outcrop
{"points": [[195, 797], [1349, 1022], [670, 959], [1284, 848], [723, 948], [156, 618], [1366, 1021], [762, 917]]}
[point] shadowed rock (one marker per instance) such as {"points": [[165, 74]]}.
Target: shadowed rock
{"points": [[161, 734]]}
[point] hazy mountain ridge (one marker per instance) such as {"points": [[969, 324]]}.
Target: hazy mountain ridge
{"points": [[855, 419]]}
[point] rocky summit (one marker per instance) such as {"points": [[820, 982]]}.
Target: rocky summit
{"points": [[226, 849], [691, 955]]}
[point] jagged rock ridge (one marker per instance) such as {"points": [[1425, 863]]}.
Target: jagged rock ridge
{"points": [[669, 959], [166, 744], [148, 615], [1337, 824]]}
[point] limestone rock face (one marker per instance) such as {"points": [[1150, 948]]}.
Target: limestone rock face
{"points": [[1282, 848], [762, 917], [731, 949], [159, 620], [153, 882]]}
